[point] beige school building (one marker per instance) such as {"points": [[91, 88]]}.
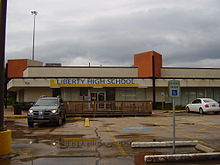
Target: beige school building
{"points": [[146, 80]]}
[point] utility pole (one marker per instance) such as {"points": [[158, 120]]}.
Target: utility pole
{"points": [[3, 11], [154, 82], [34, 13]]}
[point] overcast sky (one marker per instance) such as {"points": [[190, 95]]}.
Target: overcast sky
{"points": [[109, 32]]}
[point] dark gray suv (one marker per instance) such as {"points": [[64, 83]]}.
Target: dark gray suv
{"points": [[47, 109]]}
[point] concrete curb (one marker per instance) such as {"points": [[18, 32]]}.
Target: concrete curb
{"points": [[203, 148], [163, 144], [15, 116], [181, 157], [177, 111], [25, 159]]}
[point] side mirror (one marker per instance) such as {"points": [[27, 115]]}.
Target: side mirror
{"points": [[31, 104]]}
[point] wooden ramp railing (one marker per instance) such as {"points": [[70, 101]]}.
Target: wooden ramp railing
{"points": [[108, 108]]}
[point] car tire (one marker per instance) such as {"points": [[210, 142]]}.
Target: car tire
{"points": [[201, 111], [60, 122], [30, 124], [64, 118], [188, 110]]}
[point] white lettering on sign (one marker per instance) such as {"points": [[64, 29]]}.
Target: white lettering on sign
{"points": [[174, 88]]}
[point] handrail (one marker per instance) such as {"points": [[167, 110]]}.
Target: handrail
{"points": [[94, 107]]}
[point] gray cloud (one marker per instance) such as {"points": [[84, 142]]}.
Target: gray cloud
{"points": [[110, 33]]}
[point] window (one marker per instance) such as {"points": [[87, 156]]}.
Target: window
{"points": [[46, 102], [56, 92], [110, 94], [197, 101], [208, 100], [83, 91]]}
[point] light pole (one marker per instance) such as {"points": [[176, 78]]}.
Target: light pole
{"points": [[3, 11], [34, 13], [6, 138]]}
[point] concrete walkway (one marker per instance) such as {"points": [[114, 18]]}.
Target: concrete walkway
{"points": [[9, 112]]}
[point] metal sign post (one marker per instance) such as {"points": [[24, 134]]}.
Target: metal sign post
{"points": [[174, 91], [174, 126]]}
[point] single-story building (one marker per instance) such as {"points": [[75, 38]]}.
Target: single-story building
{"points": [[146, 80]]}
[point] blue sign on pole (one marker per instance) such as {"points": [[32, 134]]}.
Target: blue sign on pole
{"points": [[174, 92]]}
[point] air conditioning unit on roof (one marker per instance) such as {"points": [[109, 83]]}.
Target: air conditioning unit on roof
{"points": [[53, 64]]}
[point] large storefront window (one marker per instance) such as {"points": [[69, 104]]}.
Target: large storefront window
{"points": [[70, 94], [216, 94], [200, 92], [56, 92], [189, 94], [20, 96], [184, 99], [130, 94], [84, 94], [110, 94], [103, 94], [210, 92]]}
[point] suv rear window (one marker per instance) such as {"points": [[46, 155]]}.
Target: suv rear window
{"points": [[46, 102]]}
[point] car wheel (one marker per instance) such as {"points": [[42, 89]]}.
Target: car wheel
{"points": [[64, 118], [30, 124], [188, 110], [59, 122], [201, 111]]}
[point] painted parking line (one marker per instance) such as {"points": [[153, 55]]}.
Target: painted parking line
{"points": [[189, 137], [26, 152], [178, 111], [119, 146], [78, 140], [161, 126], [200, 123], [201, 141], [204, 129], [207, 126]]}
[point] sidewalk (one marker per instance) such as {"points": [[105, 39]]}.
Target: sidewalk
{"points": [[9, 113]]}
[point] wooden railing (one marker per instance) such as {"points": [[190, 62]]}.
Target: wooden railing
{"points": [[108, 107]]}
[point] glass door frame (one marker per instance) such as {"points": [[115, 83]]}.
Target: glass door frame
{"points": [[97, 92]]}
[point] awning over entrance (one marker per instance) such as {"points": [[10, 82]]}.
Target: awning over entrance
{"points": [[78, 82]]}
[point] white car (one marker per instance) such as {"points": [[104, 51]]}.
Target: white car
{"points": [[203, 105]]}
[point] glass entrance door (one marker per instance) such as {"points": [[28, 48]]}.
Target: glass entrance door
{"points": [[94, 97], [98, 96], [101, 97]]}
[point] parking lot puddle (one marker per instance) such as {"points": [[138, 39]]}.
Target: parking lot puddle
{"points": [[77, 143]]}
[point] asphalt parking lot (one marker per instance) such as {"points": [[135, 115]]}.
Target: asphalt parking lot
{"points": [[107, 140]]}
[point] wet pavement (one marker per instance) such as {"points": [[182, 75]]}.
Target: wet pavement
{"points": [[107, 140]]}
